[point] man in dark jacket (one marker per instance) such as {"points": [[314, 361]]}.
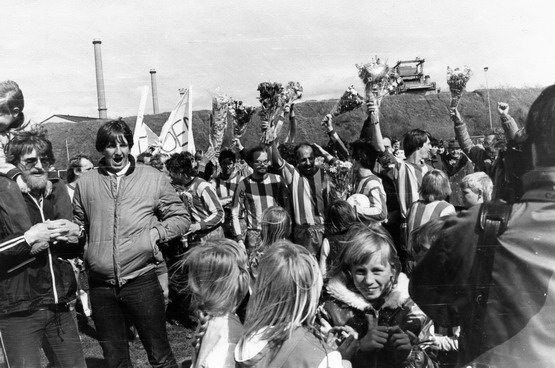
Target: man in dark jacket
{"points": [[36, 282], [505, 314], [126, 210]]}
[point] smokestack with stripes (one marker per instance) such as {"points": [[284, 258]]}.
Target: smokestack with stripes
{"points": [[99, 80], [154, 90]]}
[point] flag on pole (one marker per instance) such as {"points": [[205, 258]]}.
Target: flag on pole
{"points": [[142, 131], [176, 135]]}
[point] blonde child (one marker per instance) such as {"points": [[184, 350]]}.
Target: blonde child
{"points": [[12, 121], [367, 292], [279, 328], [340, 215], [276, 226], [217, 280]]}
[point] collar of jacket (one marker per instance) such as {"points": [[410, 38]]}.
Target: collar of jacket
{"points": [[102, 166], [337, 288]]}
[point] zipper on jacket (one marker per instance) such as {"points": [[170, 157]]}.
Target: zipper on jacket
{"points": [[50, 265]]}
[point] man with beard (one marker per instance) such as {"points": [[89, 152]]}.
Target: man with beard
{"points": [[127, 209], [254, 194], [36, 282]]}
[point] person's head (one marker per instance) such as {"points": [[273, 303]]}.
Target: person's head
{"points": [[257, 158], [144, 157], [454, 149], [285, 293], [32, 154], [434, 145], [477, 188], [114, 140], [181, 167], [215, 275], [416, 140], [306, 161], [340, 215], [395, 145], [364, 154], [158, 160], [540, 128], [494, 142], [441, 147], [387, 144], [77, 166], [227, 161], [422, 238], [435, 186], [11, 105], [276, 225], [368, 262], [198, 156]]}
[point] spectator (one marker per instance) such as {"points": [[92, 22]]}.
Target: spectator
{"points": [[78, 165], [476, 188], [127, 209], [457, 165], [36, 281], [505, 309]]}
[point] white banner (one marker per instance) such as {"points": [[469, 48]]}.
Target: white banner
{"points": [[177, 134], [141, 134]]}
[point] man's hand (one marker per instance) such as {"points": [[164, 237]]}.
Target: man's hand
{"points": [[69, 231], [39, 247], [41, 233], [455, 114], [237, 144], [503, 108], [401, 342], [327, 123], [194, 228], [375, 339], [372, 106]]}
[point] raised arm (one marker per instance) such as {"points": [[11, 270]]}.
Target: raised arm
{"points": [[510, 127], [342, 150], [292, 126], [374, 126]]}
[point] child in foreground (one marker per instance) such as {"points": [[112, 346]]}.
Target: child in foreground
{"points": [[367, 292], [217, 279], [279, 328]]}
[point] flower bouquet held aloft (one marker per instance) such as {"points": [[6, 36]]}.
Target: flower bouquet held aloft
{"points": [[340, 183], [457, 79], [292, 92], [272, 101], [379, 80], [349, 101], [218, 123], [241, 115]]}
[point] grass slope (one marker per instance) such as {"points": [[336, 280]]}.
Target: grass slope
{"points": [[398, 115]]}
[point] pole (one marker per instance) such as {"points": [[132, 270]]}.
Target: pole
{"points": [[489, 106], [67, 151]]}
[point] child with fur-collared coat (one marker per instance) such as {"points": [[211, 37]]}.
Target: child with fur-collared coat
{"points": [[367, 293]]}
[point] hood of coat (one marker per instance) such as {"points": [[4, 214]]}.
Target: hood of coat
{"points": [[337, 288]]}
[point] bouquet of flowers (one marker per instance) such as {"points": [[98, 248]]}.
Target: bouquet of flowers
{"points": [[292, 92], [340, 183], [457, 79], [349, 101], [379, 80], [218, 123], [272, 99], [241, 115]]}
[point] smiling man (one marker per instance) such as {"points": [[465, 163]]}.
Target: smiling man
{"points": [[127, 209], [36, 283]]}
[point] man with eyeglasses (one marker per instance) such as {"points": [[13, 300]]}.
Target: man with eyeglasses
{"points": [[254, 194], [36, 281]]}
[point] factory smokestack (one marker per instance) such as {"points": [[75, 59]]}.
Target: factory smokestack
{"points": [[99, 80], [154, 90]]}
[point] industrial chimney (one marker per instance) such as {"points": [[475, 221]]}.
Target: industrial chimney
{"points": [[154, 90], [99, 80]]}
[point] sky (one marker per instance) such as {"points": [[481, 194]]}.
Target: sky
{"points": [[232, 46]]}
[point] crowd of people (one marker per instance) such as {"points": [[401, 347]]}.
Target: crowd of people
{"points": [[439, 255]]}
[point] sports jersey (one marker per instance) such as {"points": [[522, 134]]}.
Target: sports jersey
{"points": [[371, 186], [421, 212]]}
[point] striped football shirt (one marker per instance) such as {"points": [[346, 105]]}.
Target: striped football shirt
{"points": [[371, 186], [254, 196], [203, 204], [421, 212], [307, 194], [408, 177]]}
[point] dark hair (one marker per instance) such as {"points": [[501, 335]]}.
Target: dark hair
{"points": [[252, 152], [111, 132], [141, 156], [414, 140], [73, 165], [340, 215], [182, 163], [227, 154], [540, 127], [364, 152], [11, 97], [25, 142]]}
